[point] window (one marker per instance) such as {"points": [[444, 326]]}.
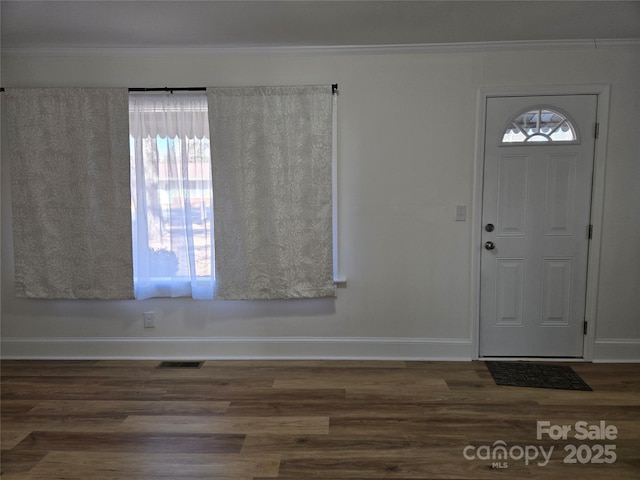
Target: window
{"points": [[269, 152], [171, 196], [539, 125]]}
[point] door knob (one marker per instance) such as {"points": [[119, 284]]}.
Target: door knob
{"points": [[489, 245]]}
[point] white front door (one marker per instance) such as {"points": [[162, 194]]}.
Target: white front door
{"points": [[535, 225]]}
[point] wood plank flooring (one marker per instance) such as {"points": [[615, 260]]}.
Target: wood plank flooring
{"points": [[307, 420]]}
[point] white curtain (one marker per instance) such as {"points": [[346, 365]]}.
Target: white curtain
{"points": [[70, 192], [271, 159], [172, 196]]}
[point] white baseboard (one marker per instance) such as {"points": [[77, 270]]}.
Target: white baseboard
{"points": [[617, 350], [153, 348]]}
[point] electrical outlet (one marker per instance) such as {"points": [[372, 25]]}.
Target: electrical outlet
{"points": [[148, 320]]}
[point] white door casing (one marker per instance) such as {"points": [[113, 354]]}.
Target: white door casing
{"points": [[537, 196]]}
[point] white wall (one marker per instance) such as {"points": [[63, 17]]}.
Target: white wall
{"points": [[407, 146]]}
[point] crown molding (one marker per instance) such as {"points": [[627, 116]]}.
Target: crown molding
{"points": [[518, 45]]}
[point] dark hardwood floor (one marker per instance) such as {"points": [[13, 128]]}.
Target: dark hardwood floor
{"points": [[258, 420]]}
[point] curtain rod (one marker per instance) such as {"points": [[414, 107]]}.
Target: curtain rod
{"points": [[334, 89], [168, 89]]}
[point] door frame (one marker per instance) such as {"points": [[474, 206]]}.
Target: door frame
{"points": [[597, 202]]}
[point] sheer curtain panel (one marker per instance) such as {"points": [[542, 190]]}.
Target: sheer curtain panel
{"points": [[70, 192], [271, 151], [171, 195]]}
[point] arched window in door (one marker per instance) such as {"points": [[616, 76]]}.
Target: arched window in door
{"points": [[540, 124]]}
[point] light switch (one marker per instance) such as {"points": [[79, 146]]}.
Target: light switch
{"points": [[461, 213]]}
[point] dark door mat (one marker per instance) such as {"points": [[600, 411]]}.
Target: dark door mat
{"points": [[521, 374]]}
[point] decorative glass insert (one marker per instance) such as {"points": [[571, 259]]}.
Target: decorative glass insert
{"points": [[540, 125]]}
